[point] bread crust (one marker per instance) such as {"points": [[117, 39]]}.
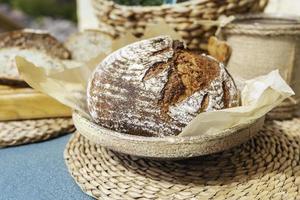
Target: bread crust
{"points": [[12, 43], [33, 39], [155, 88]]}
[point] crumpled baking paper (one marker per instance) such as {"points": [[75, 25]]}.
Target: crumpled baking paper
{"points": [[68, 85], [259, 96]]}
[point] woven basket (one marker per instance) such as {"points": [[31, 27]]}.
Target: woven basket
{"points": [[266, 167], [183, 17], [13, 133], [261, 44]]}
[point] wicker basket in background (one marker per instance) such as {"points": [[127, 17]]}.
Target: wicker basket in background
{"points": [[261, 44], [183, 17]]}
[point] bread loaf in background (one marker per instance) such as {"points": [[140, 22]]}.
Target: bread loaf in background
{"points": [[87, 45], [156, 87], [26, 42]]}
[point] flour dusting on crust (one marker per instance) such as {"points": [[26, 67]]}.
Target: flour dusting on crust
{"points": [[147, 88]]}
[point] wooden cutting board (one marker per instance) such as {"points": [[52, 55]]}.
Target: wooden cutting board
{"points": [[25, 103]]}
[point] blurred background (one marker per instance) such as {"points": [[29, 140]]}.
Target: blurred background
{"points": [[57, 16]]}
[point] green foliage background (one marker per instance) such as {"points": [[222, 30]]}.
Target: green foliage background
{"points": [[36, 8], [65, 8]]}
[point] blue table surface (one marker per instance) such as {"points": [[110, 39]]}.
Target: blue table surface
{"points": [[37, 172]]}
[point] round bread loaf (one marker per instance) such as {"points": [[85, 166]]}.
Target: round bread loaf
{"points": [[156, 87]]}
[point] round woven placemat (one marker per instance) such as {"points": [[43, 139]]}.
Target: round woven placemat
{"points": [[266, 167], [14, 133]]}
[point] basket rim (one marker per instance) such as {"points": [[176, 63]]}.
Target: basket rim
{"points": [[288, 23], [169, 139]]}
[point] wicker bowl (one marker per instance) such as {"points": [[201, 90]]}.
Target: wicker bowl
{"points": [[167, 147], [185, 17]]}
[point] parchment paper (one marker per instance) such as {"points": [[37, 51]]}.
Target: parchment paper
{"points": [[68, 85], [259, 96]]}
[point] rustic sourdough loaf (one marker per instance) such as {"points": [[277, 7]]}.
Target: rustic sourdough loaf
{"points": [[22, 43], [156, 87]]}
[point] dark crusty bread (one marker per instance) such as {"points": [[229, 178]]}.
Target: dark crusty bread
{"points": [[25, 42], [87, 45], [156, 87]]}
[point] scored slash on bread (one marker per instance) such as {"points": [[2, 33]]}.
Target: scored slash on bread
{"points": [[87, 45], [156, 87], [26, 43]]}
